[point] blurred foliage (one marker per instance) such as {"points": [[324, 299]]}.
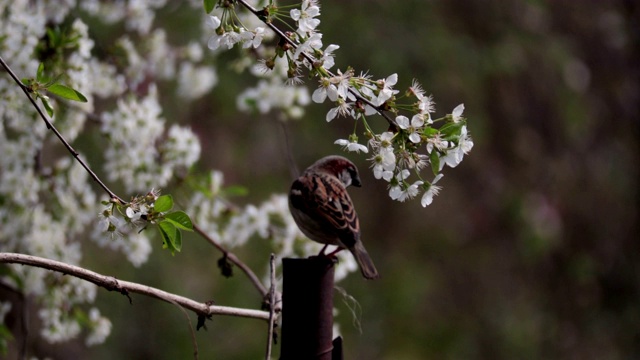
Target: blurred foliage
{"points": [[531, 251]]}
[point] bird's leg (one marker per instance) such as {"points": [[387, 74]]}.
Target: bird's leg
{"points": [[321, 253], [334, 252]]}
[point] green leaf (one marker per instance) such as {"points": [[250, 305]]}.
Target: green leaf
{"points": [[236, 190], [451, 129], [435, 161], [171, 236], [177, 243], [163, 203], [47, 105], [166, 240], [66, 92], [429, 131], [180, 219], [208, 5], [40, 73]]}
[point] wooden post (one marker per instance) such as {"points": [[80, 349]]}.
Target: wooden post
{"points": [[307, 309]]}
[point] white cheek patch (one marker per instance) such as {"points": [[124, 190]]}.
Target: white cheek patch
{"points": [[345, 177]]}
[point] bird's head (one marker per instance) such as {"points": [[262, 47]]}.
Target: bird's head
{"points": [[340, 167]]}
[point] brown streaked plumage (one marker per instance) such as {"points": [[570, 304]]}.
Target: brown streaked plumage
{"points": [[324, 212]]}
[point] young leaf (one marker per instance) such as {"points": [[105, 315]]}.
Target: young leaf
{"points": [[451, 130], [47, 105], [166, 237], [435, 162], [163, 203], [40, 73], [66, 92], [177, 243], [171, 236], [208, 5], [180, 219], [429, 131]]}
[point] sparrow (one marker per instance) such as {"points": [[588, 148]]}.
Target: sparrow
{"points": [[324, 212]]}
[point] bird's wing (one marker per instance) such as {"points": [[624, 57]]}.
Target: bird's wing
{"points": [[334, 210]]}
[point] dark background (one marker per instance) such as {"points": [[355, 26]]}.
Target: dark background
{"points": [[531, 251]]}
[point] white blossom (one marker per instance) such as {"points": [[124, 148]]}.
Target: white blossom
{"points": [[412, 127], [306, 16], [351, 145], [456, 114], [432, 191]]}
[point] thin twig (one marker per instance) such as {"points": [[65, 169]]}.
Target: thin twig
{"points": [[293, 169], [193, 334], [272, 305], [50, 126], [125, 287], [235, 260], [311, 60]]}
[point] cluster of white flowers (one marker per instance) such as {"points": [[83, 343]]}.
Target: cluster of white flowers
{"points": [[100, 328], [274, 92], [43, 206], [47, 203], [57, 325], [117, 234], [413, 145], [47, 200], [415, 141], [138, 158]]}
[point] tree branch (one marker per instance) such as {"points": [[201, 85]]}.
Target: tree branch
{"points": [[125, 287], [254, 279], [66, 144], [311, 60]]}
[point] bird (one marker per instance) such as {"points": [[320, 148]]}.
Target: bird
{"points": [[324, 212]]}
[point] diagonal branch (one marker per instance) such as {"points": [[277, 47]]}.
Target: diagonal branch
{"points": [[311, 60], [66, 144], [114, 197], [125, 287], [254, 279]]}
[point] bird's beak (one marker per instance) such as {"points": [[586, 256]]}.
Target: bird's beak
{"points": [[355, 181]]}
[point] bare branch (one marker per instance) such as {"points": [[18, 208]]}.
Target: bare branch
{"points": [[125, 287]]}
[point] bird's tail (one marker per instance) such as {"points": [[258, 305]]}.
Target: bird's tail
{"points": [[364, 261]]}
